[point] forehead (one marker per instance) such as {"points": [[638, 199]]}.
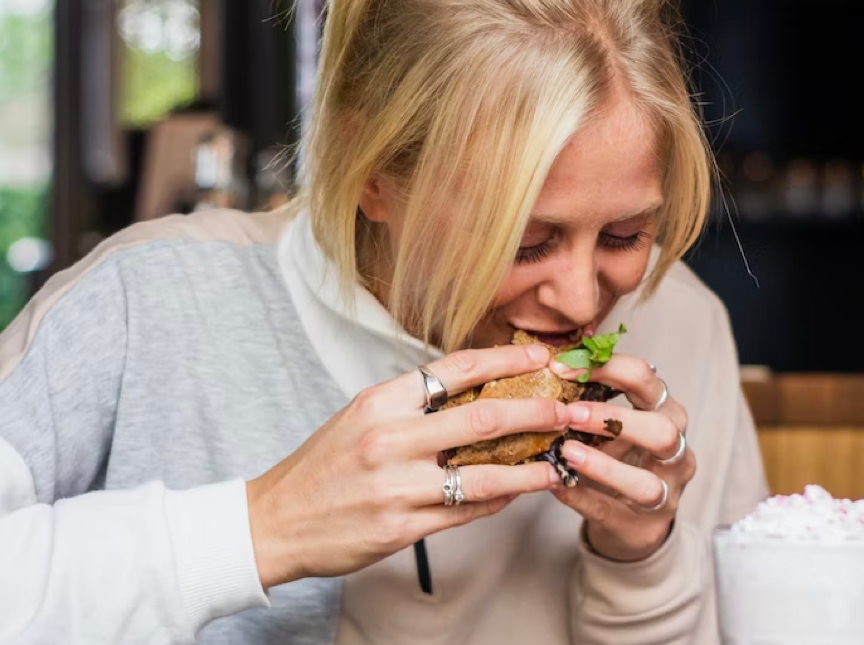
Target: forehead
{"points": [[609, 169]]}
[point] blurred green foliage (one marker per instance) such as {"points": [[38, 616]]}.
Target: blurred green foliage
{"points": [[26, 51], [21, 215], [153, 85], [25, 54]]}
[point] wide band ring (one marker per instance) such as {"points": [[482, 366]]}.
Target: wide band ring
{"points": [[436, 393], [453, 495], [678, 456], [663, 396], [664, 497]]}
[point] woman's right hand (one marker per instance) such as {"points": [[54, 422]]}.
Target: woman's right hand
{"points": [[367, 484]]}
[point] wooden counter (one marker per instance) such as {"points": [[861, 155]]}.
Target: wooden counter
{"points": [[811, 430]]}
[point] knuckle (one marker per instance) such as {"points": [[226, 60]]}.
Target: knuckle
{"points": [[650, 493], [368, 402], [394, 531], [482, 419], [481, 486], [465, 363], [545, 411], [384, 494], [670, 434], [374, 447], [646, 374], [690, 466]]}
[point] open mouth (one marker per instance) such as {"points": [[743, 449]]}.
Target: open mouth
{"points": [[567, 338], [559, 339]]}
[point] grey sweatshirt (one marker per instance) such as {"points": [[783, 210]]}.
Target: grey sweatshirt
{"points": [[142, 388]]}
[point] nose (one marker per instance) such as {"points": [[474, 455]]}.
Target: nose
{"points": [[572, 290]]}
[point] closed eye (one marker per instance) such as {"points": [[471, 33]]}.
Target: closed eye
{"points": [[529, 254], [630, 243]]}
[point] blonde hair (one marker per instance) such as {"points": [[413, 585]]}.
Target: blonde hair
{"points": [[463, 105]]}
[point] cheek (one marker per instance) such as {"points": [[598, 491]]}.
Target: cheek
{"points": [[620, 272], [519, 282]]}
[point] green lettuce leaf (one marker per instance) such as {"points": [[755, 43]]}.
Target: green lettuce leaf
{"points": [[592, 352]]}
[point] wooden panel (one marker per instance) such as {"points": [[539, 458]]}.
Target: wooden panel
{"points": [[821, 399], [762, 396], [829, 456], [807, 399]]}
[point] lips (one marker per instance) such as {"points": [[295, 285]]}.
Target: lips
{"points": [[563, 338]]}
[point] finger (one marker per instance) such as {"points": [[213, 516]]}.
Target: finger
{"points": [[637, 485], [468, 368], [631, 375], [433, 519], [479, 421], [488, 482], [653, 431], [593, 505]]}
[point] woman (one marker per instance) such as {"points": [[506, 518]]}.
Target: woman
{"points": [[213, 427]]}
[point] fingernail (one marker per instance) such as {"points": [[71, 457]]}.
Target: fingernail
{"points": [[538, 353], [564, 371], [579, 413], [574, 453]]}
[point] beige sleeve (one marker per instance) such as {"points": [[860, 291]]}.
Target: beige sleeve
{"points": [[658, 601], [669, 598]]}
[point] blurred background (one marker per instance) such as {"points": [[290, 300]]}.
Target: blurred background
{"points": [[117, 111]]}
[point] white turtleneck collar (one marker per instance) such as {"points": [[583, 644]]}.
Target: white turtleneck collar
{"points": [[360, 349], [367, 347]]}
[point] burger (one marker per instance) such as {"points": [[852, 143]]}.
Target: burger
{"points": [[583, 352]]}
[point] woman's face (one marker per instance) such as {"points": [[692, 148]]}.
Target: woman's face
{"points": [[589, 238], [590, 234]]}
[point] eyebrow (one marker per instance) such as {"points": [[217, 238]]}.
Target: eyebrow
{"points": [[548, 218]]}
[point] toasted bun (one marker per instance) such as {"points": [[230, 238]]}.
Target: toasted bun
{"points": [[526, 446]]}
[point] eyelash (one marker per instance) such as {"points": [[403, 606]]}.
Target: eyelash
{"points": [[629, 243], [527, 255]]}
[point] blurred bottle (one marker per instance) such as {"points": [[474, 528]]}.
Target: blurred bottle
{"points": [[756, 187], [219, 177], [801, 188], [838, 189]]}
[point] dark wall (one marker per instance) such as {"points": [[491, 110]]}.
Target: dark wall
{"points": [[806, 311], [777, 78]]}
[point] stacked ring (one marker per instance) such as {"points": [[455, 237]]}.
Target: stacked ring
{"points": [[453, 495]]}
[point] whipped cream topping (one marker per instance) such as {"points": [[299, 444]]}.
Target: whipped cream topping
{"points": [[814, 515]]}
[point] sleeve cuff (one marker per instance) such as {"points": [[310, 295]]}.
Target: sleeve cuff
{"points": [[214, 557], [620, 587]]}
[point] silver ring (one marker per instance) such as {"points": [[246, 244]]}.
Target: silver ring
{"points": [[661, 400], [652, 367], [678, 456], [663, 499], [436, 393], [453, 495]]}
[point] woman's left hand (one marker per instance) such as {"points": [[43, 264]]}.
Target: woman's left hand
{"points": [[626, 493]]}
